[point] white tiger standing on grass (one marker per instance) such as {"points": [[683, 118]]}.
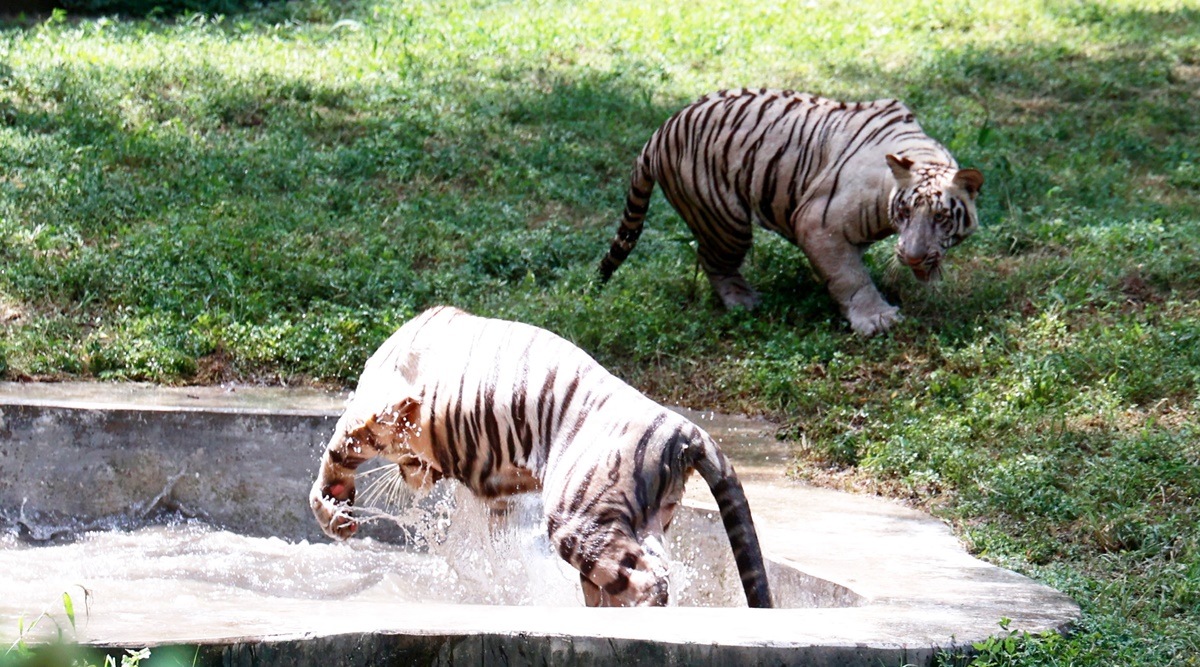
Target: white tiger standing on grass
{"points": [[507, 408], [831, 177]]}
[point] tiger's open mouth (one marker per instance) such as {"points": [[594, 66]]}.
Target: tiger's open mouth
{"points": [[928, 274], [925, 269], [332, 507]]}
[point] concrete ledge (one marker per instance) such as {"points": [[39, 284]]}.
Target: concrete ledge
{"points": [[72, 455], [382, 648], [89, 456]]}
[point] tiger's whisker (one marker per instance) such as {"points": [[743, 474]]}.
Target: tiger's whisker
{"points": [[892, 269], [380, 486], [375, 471]]}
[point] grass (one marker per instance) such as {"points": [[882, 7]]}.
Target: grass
{"points": [[265, 196], [30, 650]]}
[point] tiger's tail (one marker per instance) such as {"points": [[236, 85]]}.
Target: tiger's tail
{"points": [[739, 525], [637, 200]]}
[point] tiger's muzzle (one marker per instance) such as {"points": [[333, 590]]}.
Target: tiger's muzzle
{"points": [[331, 505], [926, 269]]}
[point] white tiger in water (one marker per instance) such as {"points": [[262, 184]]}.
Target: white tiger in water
{"points": [[831, 177], [507, 408]]}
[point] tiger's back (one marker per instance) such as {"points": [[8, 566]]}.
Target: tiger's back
{"points": [[507, 408], [818, 172]]}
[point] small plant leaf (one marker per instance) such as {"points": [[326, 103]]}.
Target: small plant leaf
{"points": [[985, 135], [134, 658], [69, 606]]}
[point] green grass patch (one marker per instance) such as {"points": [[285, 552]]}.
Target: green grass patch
{"points": [[265, 195]]}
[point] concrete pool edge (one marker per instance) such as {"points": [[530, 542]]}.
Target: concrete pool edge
{"points": [[923, 593], [386, 647], [383, 648]]}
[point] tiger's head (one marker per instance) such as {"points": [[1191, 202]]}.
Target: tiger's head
{"points": [[391, 432], [932, 208]]}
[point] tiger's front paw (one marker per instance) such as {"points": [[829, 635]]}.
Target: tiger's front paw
{"points": [[875, 321], [331, 505]]}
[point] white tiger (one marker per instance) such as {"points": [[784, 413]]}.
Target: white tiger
{"points": [[831, 177], [507, 408]]}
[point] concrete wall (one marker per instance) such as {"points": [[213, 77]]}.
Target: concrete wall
{"points": [[63, 469], [507, 650]]}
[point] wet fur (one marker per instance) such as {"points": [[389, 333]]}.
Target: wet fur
{"points": [[507, 408]]}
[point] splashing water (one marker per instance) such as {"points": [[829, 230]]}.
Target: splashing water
{"points": [[457, 553], [512, 562]]}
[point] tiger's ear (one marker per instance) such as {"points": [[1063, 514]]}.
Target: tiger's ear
{"points": [[901, 169], [970, 180], [403, 414], [389, 423]]}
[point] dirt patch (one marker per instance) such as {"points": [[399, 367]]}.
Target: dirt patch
{"points": [[1138, 291], [217, 367], [1189, 76], [855, 480], [10, 313]]}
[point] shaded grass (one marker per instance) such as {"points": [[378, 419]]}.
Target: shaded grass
{"points": [[266, 196]]}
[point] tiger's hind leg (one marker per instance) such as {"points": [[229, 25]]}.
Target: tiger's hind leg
{"points": [[722, 264], [593, 595], [722, 246], [645, 593], [627, 575], [615, 569], [734, 291]]}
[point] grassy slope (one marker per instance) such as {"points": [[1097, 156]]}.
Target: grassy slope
{"points": [[265, 197]]}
